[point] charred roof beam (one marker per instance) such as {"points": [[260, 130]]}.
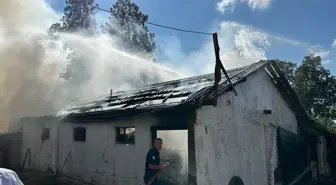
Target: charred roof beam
{"points": [[218, 67]]}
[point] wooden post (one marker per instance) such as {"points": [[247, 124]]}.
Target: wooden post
{"points": [[217, 72], [110, 97], [218, 67]]}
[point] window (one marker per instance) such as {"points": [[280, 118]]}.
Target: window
{"points": [[45, 134], [125, 135], [80, 134]]}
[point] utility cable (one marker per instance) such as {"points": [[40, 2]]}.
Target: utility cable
{"points": [[160, 25]]}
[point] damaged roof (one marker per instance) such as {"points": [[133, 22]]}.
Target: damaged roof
{"points": [[155, 97]]}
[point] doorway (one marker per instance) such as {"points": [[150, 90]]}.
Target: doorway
{"points": [[292, 153], [175, 147]]}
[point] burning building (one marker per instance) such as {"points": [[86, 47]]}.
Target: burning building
{"points": [[252, 138]]}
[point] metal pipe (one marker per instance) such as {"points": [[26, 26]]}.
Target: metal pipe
{"points": [[104, 150], [57, 146], [24, 161], [300, 176], [66, 159]]}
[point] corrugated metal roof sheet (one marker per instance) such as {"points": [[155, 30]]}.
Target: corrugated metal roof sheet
{"points": [[163, 94]]}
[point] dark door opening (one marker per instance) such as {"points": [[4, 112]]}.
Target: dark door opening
{"points": [[292, 152], [175, 146]]}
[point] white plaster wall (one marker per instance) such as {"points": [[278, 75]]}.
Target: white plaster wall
{"points": [[121, 164], [42, 153], [236, 138]]}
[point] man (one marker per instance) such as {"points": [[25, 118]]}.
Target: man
{"points": [[9, 177], [152, 164]]}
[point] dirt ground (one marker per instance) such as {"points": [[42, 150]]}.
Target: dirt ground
{"points": [[38, 178]]}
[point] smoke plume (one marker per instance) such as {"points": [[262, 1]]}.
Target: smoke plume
{"points": [[31, 63]]}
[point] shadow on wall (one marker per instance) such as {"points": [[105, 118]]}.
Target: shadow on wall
{"points": [[10, 150], [176, 173]]}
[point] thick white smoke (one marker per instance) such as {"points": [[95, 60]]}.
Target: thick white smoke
{"points": [[31, 63]]}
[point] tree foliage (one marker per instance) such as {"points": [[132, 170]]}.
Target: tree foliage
{"points": [[78, 17], [127, 23], [315, 86], [288, 68]]}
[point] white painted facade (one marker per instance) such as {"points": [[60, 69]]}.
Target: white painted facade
{"points": [[236, 138], [233, 139], [91, 161], [40, 155]]}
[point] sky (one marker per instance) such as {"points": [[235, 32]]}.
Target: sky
{"points": [[262, 29]]}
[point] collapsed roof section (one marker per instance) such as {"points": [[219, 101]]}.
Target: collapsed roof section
{"points": [[160, 95], [189, 92]]}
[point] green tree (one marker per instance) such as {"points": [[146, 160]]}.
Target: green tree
{"points": [[55, 28], [315, 86], [127, 23], [288, 68], [78, 17]]}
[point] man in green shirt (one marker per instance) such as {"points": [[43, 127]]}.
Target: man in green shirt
{"points": [[152, 164]]}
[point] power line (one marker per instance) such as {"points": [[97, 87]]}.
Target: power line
{"points": [[178, 29], [160, 25]]}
